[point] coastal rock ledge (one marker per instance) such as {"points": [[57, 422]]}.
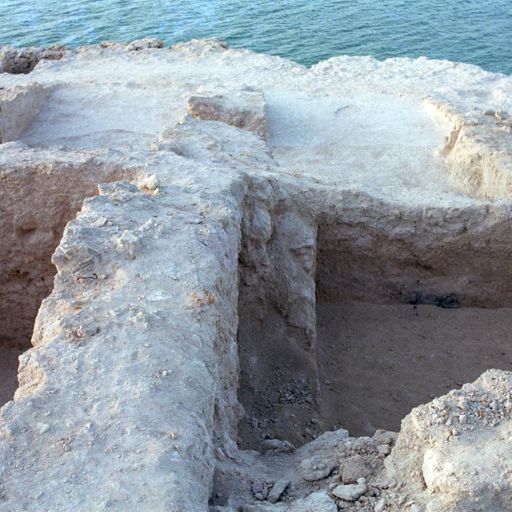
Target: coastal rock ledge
{"points": [[216, 264]]}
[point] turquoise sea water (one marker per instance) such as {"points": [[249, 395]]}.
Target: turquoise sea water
{"points": [[474, 31]]}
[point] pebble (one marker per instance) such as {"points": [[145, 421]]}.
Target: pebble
{"points": [[277, 491], [384, 450], [380, 506], [313, 469], [277, 445], [350, 492]]}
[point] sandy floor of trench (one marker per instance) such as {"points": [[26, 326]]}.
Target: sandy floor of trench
{"points": [[378, 361]]}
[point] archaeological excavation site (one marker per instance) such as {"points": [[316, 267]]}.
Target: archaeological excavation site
{"points": [[231, 283]]}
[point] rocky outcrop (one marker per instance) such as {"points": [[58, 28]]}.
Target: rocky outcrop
{"points": [[170, 237], [452, 452], [24, 60]]}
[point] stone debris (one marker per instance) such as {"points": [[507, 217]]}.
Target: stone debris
{"points": [[316, 502], [384, 450], [356, 467], [277, 445], [146, 43], [314, 469], [452, 447], [261, 489], [200, 46]]}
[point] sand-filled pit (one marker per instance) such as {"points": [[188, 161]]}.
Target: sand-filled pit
{"points": [[369, 365], [367, 312], [377, 362]]}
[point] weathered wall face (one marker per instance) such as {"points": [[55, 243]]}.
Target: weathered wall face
{"points": [[18, 107], [277, 329], [389, 254], [477, 151]]}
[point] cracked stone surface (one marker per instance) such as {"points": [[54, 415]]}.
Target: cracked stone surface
{"points": [[177, 225]]}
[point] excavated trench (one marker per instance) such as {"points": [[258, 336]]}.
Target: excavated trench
{"points": [[36, 206], [38, 199], [35, 210], [396, 320]]}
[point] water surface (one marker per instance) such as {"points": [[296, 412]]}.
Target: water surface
{"points": [[473, 31]]}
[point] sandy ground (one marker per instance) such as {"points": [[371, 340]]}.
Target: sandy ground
{"points": [[379, 361], [105, 120], [342, 140], [8, 373]]}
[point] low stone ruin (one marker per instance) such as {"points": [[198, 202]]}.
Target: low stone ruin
{"points": [[233, 281]]}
